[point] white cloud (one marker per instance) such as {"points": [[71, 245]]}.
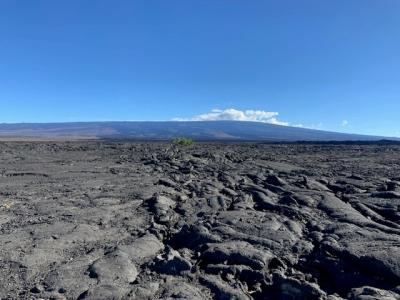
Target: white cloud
{"points": [[238, 115], [345, 123]]}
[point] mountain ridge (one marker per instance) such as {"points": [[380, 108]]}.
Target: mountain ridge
{"points": [[164, 130]]}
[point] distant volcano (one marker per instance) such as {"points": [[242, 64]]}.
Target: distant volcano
{"points": [[204, 130]]}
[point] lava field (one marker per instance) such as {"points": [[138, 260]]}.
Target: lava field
{"points": [[153, 220]]}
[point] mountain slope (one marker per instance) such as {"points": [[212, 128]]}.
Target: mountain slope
{"points": [[213, 130]]}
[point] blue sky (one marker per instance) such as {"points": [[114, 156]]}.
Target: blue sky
{"points": [[333, 65]]}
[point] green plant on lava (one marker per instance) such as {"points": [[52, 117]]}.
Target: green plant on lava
{"points": [[183, 141]]}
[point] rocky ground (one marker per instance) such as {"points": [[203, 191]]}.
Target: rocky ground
{"points": [[96, 220]]}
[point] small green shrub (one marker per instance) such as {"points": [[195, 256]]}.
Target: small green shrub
{"points": [[183, 141]]}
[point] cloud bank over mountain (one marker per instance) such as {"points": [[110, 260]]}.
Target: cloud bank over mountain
{"points": [[232, 114]]}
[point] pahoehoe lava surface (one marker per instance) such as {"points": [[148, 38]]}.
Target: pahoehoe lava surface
{"points": [[102, 220]]}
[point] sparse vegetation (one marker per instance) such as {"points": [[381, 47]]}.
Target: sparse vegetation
{"points": [[183, 141], [6, 205]]}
